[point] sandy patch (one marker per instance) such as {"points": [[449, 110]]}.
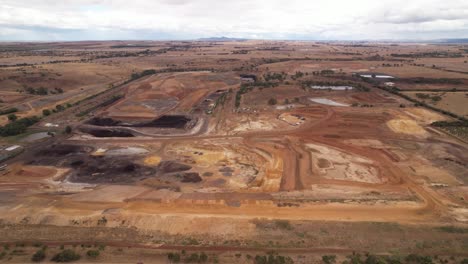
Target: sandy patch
{"points": [[152, 160], [293, 120], [112, 193], [406, 126], [334, 164], [433, 174], [254, 126], [424, 115]]}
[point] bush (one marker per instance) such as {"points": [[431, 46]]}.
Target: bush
{"points": [[272, 101], [66, 255], [329, 259], [193, 258], [173, 257], [12, 117], [203, 257], [46, 112], [8, 111], [18, 126], [271, 259], [418, 259], [59, 108], [283, 224], [68, 129], [372, 259], [93, 253], [39, 256]]}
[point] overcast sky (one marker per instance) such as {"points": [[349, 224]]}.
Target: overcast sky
{"points": [[49, 20]]}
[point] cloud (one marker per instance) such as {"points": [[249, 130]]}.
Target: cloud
{"points": [[277, 19]]}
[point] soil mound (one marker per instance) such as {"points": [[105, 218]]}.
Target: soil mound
{"points": [[62, 150], [106, 170], [172, 166], [103, 121], [191, 177], [107, 132]]}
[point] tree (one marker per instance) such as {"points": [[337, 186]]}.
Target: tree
{"points": [[272, 101], [59, 108], [93, 253], [66, 255], [203, 257], [12, 117], [173, 257], [39, 256], [68, 129], [329, 259], [46, 112], [42, 91]]}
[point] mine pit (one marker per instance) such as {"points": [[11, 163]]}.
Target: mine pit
{"points": [[168, 121], [107, 132], [165, 121]]}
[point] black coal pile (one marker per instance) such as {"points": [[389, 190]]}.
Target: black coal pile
{"points": [[191, 177], [90, 169], [172, 166]]}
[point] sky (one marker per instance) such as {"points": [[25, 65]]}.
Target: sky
{"points": [[58, 20]]}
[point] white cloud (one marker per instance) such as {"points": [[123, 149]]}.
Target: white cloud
{"points": [[307, 19]]}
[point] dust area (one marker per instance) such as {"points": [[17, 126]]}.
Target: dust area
{"points": [[407, 126], [424, 115], [332, 163], [152, 160], [109, 194], [348, 194], [224, 165]]}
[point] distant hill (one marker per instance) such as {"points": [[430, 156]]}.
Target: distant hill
{"points": [[460, 40], [221, 39]]}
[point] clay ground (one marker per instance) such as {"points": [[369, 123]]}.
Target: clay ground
{"points": [[185, 160]]}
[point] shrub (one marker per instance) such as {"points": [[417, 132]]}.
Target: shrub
{"points": [[329, 259], [46, 112], [272, 101], [42, 91], [418, 259], [173, 257], [8, 111], [192, 258], [59, 108], [18, 126], [372, 259], [283, 224], [93, 253], [68, 129], [12, 117], [203, 257], [271, 259], [39, 256], [66, 255]]}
